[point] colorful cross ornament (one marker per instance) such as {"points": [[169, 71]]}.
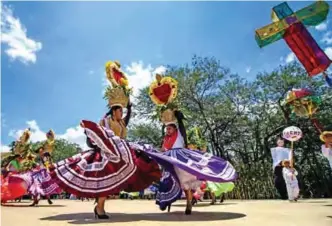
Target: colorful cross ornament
{"points": [[291, 26]]}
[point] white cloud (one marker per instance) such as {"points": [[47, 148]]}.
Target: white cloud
{"points": [[322, 26], [290, 57], [248, 69], [73, 134], [14, 35], [159, 70], [91, 72], [327, 38], [4, 148], [140, 76], [328, 52]]}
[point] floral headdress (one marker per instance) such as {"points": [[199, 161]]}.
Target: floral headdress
{"points": [[118, 93], [163, 92]]}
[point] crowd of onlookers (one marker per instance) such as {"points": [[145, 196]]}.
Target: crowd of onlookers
{"points": [[122, 195]]}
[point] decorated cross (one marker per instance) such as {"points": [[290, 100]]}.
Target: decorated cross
{"points": [[291, 26]]}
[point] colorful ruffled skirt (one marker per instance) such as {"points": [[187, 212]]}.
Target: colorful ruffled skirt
{"points": [[36, 182], [40, 183], [151, 190], [200, 166], [220, 188], [109, 168], [12, 187]]}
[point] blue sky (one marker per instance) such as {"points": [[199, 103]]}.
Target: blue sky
{"points": [[53, 54]]}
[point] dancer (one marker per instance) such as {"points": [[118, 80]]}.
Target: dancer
{"points": [[279, 154], [11, 188], [292, 184], [176, 137], [197, 142], [113, 118], [25, 172], [183, 169], [326, 137], [45, 152], [199, 194], [110, 166], [219, 190]]}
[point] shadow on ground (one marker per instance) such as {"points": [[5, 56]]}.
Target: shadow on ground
{"points": [[88, 218], [202, 204]]}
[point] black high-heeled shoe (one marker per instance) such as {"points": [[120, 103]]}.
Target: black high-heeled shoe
{"points": [[102, 217], [188, 209], [35, 203], [164, 208]]}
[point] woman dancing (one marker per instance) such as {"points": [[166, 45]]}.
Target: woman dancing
{"points": [[110, 166], [176, 137], [183, 169], [23, 171], [197, 142], [44, 152]]}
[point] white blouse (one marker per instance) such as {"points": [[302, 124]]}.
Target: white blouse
{"points": [[179, 142]]}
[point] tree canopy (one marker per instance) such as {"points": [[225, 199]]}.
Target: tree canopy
{"points": [[62, 149], [241, 120]]}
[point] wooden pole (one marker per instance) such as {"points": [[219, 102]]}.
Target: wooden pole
{"points": [[292, 154]]}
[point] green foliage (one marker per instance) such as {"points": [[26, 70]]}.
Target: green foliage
{"points": [[146, 133], [62, 149], [195, 138], [241, 121]]}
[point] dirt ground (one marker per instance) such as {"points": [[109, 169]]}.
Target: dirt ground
{"points": [[145, 213]]}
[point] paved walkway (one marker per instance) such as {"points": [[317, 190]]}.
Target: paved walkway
{"points": [[145, 213]]}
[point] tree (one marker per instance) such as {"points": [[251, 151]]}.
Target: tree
{"points": [[62, 149], [149, 133], [242, 120]]}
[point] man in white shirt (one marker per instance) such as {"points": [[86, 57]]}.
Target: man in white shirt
{"points": [[279, 154], [326, 137], [327, 152]]}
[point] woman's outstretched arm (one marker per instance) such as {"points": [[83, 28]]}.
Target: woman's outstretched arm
{"points": [[127, 118]]}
